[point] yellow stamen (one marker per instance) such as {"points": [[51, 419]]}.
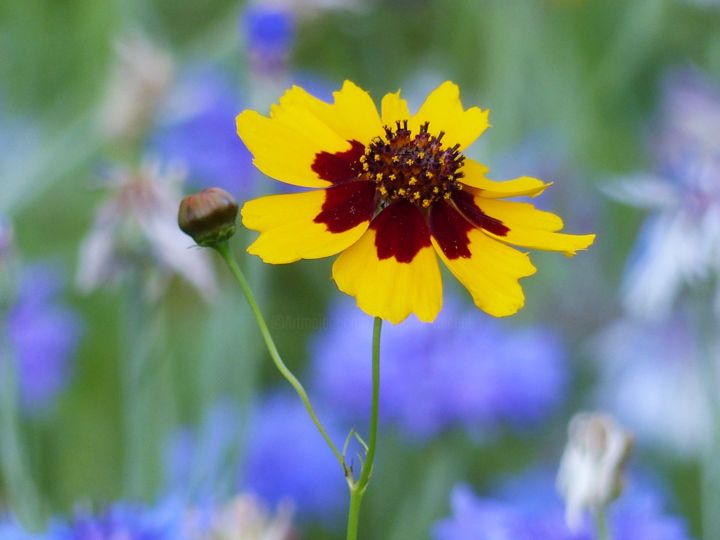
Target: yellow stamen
{"points": [[426, 203]]}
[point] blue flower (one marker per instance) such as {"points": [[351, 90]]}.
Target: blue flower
{"points": [[275, 453], [168, 520], [465, 370], [197, 131], [269, 33], [530, 509], [43, 335]]}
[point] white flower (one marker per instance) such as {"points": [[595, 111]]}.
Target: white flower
{"points": [[136, 231], [680, 243], [590, 475], [245, 518], [140, 78]]}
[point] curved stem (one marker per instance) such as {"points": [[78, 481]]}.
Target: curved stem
{"points": [[357, 489], [224, 251]]}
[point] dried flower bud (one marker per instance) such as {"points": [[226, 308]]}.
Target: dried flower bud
{"points": [[590, 475], [208, 216]]}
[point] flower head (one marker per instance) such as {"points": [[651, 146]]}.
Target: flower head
{"points": [[136, 229], [43, 335], [536, 513], [195, 131], [496, 376], [394, 192], [245, 518], [590, 475], [140, 78], [680, 242]]}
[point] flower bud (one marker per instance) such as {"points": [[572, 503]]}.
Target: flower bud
{"points": [[590, 475], [208, 216]]}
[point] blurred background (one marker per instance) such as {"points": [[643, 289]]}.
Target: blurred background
{"points": [[134, 383]]}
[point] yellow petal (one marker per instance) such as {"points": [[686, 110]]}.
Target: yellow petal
{"points": [[387, 288], [289, 230], [533, 228], [491, 273], [474, 176], [394, 109], [356, 116], [285, 146], [444, 111]]}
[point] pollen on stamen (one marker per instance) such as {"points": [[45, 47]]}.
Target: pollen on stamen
{"points": [[415, 167]]}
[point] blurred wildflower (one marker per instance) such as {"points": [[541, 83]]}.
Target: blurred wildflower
{"points": [[245, 518], [209, 216], [269, 32], [195, 131], [591, 469], [397, 193], [43, 335], [496, 375], [6, 241], [140, 78], [168, 520], [642, 363], [284, 459], [10, 529], [136, 230], [680, 243], [287, 460], [538, 514], [202, 462]]}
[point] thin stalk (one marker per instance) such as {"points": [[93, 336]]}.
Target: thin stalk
{"points": [[601, 525], [357, 489], [224, 250], [139, 402]]}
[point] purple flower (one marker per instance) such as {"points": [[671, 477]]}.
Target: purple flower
{"points": [[531, 509], [465, 370], [287, 459], [43, 335], [197, 131]]}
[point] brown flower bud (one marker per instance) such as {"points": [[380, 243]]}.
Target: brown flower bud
{"points": [[208, 216]]}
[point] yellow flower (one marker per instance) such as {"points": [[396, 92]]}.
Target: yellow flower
{"points": [[392, 191]]}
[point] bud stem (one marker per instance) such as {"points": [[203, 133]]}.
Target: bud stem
{"points": [[224, 250]]}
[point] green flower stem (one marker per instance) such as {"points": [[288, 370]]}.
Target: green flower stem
{"points": [[224, 250], [601, 525], [357, 489], [20, 489]]}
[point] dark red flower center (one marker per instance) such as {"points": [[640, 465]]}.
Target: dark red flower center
{"points": [[416, 168]]}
